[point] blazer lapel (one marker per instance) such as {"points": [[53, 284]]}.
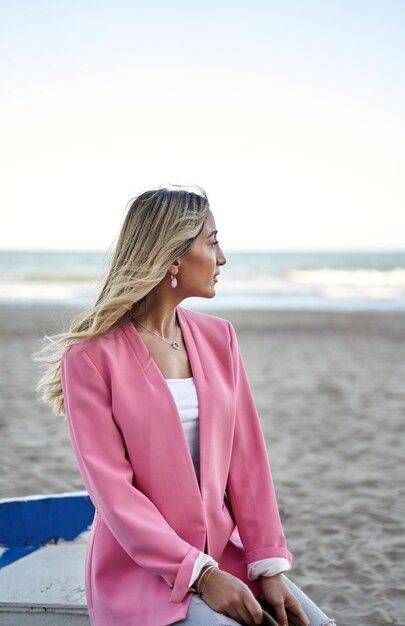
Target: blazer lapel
{"points": [[156, 378]]}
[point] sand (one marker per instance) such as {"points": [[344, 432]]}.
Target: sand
{"points": [[330, 390]]}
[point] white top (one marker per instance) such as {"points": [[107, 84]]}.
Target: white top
{"points": [[184, 393]]}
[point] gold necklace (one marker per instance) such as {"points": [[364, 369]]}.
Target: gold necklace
{"points": [[174, 344]]}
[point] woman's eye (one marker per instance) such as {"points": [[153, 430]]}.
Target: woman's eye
{"points": [[214, 243]]}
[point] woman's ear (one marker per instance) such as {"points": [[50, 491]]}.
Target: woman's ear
{"points": [[174, 267]]}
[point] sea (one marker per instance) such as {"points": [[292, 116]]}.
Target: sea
{"points": [[296, 281]]}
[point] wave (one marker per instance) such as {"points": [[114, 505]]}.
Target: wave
{"points": [[356, 278], [317, 277], [78, 293], [277, 295]]}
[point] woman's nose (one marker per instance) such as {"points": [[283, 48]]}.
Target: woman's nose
{"points": [[221, 260]]}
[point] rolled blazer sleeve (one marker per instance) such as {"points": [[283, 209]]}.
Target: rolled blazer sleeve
{"points": [[131, 517], [250, 486]]}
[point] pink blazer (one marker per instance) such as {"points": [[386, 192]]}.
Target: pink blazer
{"points": [[152, 517]]}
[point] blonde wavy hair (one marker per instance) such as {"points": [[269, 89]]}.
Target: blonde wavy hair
{"points": [[159, 226]]}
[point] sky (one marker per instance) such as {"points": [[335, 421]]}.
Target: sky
{"points": [[289, 113]]}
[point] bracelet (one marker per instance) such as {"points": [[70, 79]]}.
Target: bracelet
{"points": [[208, 569]]}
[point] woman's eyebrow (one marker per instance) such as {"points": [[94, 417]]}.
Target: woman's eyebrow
{"points": [[214, 232]]}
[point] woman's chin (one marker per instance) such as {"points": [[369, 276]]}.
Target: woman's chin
{"points": [[212, 293], [208, 294]]}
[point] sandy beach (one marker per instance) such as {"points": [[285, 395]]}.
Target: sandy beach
{"points": [[330, 392]]}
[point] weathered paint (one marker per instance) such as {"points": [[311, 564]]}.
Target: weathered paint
{"points": [[9, 555], [47, 583]]}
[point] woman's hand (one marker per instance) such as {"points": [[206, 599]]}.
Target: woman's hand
{"points": [[279, 596], [227, 594]]}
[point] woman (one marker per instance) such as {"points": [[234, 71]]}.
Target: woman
{"points": [[167, 438]]}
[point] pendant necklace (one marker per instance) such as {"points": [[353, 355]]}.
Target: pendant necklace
{"points": [[174, 344]]}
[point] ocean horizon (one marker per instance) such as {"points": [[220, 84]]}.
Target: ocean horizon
{"points": [[290, 280]]}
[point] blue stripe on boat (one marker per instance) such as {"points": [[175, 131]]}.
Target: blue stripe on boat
{"points": [[36, 520]]}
